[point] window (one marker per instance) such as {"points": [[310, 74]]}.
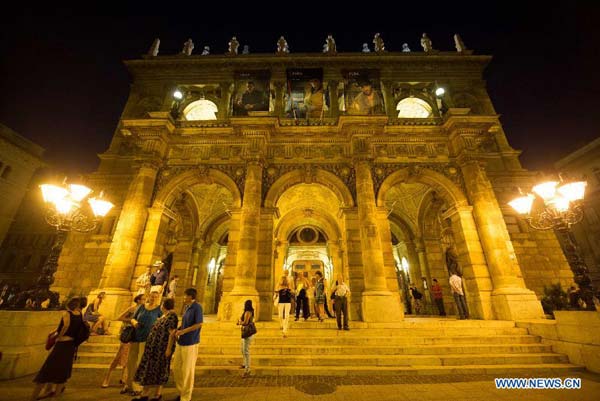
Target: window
{"points": [[201, 110], [413, 107]]}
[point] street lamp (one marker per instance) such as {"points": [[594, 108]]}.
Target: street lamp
{"points": [[560, 207], [68, 208]]}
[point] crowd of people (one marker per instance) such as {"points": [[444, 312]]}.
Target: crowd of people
{"points": [[308, 298]]}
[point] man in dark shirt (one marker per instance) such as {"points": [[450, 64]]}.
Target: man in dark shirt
{"points": [[159, 278], [186, 352], [251, 100]]}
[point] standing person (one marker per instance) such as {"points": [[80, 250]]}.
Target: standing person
{"points": [[301, 297], [122, 355], [320, 296], [143, 282], [342, 292], [173, 287], [59, 363], [143, 319], [153, 371], [246, 318], [92, 315], [310, 295], [159, 279], [285, 303], [438, 297], [459, 296], [186, 352]]}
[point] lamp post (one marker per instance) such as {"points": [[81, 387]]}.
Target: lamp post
{"points": [[560, 206], [68, 208]]}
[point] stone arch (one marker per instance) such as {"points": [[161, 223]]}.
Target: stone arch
{"points": [[178, 184], [297, 217], [443, 186], [299, 176]]}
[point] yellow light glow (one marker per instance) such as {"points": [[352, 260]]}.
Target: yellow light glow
{"points": [[546, 190], [177, 94], [64, 205], [53, 193], [404, 264], [440, 91], [100, 207], [211, 265], [573, 191], [522, 204], [78, 192], [560, 203]]}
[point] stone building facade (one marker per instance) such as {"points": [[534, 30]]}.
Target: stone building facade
{"points": [[584, 163], [340, 162], [19, 160]]}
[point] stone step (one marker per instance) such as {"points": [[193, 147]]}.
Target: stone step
{"points": [[292, 349], [402, 332], [233, 360], [506, 370], [406, 324], [341, 338]]}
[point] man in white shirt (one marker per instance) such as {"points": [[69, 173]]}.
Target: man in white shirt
{"points": [[342, 292], [143, 282], [173, 287], [459, 296]]}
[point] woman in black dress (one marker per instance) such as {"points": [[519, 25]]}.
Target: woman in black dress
{"points": [[59, 364], [153, 371]]}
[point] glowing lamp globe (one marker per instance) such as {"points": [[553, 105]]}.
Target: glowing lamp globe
{"points": [[53, 193], [100, 207], [440, 92], [78, 192], [573, 191], [522, 204], [546, 190]]}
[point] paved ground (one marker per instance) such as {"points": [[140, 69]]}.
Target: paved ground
{"points": [[85, 386]]}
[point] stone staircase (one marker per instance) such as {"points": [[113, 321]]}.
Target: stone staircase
{"points": [[423, 346]]}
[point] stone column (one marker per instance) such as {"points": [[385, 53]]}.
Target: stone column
{"points": [[510, 298], [226, 92], [147, 253], [388, 98], [279, 92], [244, 286], [378, 303], [123, 252], [334, 107], [423, 264]]}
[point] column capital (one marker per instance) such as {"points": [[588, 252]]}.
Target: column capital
{"points": [[457, 209]]}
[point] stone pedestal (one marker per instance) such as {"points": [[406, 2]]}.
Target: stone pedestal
{"points": [[22, 338]]}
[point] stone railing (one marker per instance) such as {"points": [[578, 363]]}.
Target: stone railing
{"points": [[574, 333]]}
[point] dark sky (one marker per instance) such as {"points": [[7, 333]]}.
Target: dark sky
{"points": [[64, 85]]}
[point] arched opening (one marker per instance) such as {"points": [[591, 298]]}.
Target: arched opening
{"points": [[202, 109], [413, 107]]}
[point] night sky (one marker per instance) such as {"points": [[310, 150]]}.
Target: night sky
{"points": [[64, 84]]}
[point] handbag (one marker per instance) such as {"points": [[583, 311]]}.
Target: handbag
{"points": [[249, 330], [127, 334], [51, 340]]}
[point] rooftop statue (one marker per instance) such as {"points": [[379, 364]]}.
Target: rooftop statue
{"points": [[426, 43], [459, 44], [365, 48], [405, 48], [378, 42], [246, 49], [282, 46], [188, 46], [206, 51], [330, 45], [233, 46], [154, 48]]}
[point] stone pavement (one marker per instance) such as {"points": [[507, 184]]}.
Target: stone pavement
{"points": [[85, 386]]}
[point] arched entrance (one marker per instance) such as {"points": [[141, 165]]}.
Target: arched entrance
{"points": [[428, 215]]}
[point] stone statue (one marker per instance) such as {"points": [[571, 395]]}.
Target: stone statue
{"points": [[246, 49], [365, 48], [206, 51], [426, 43], [378, 42], [233, 46], [405, 48], [330, 45], [459, 44], [188, 47], [325, 48], [282, 46], [154, 48], [452, 262]]}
